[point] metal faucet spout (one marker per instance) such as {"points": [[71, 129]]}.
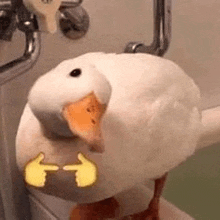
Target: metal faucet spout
{"points": [[162, 31], [16, 67]]}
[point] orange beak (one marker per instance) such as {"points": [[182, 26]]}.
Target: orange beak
{"points": [[83, 118]]}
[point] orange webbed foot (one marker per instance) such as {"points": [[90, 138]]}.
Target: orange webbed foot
{"points": [[95, 211]]}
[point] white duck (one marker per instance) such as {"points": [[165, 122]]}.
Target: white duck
{"points": [[142, 121]]}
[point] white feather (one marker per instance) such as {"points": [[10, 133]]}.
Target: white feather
{"points": [[152, 123]]}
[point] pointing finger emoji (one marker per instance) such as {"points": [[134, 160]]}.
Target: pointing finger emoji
{"points": [[35, 171], [86, 172]]}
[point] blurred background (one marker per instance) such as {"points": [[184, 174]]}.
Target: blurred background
{"points": [[194, 187]]}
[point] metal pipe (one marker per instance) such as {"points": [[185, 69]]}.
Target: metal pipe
{"points": [[5, 5], [16, 67], [71, 3], [162, 31]]}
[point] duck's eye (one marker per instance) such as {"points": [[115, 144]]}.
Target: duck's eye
{"points": [[75, 72]]}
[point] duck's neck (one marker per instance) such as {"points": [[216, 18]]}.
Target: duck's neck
{"points": [[54, 126]]}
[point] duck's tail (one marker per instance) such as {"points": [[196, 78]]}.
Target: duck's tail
{"points": [[211, 132]]}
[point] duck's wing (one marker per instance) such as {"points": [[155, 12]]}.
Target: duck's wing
{"points": [[159, 106], [28, 129]]}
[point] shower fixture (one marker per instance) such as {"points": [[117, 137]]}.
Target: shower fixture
{"points": [[24, 15], [162, 31], [25, 22], [74, 23]]}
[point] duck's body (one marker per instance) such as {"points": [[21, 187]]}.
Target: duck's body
{"points": [[151, 125]]}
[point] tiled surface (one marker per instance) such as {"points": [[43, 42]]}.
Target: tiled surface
{"points": [[195, 186]]}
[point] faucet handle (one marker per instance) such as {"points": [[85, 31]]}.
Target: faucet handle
{"points": [[45, 10]]}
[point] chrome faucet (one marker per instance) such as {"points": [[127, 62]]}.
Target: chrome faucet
{"points": [[162, 31], [18, 14]]}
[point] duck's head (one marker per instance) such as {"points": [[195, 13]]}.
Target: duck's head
{"points": [[70, 100]]}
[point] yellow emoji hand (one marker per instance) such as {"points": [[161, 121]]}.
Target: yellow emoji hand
{"points": [[35, 174], [86, 172]]}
